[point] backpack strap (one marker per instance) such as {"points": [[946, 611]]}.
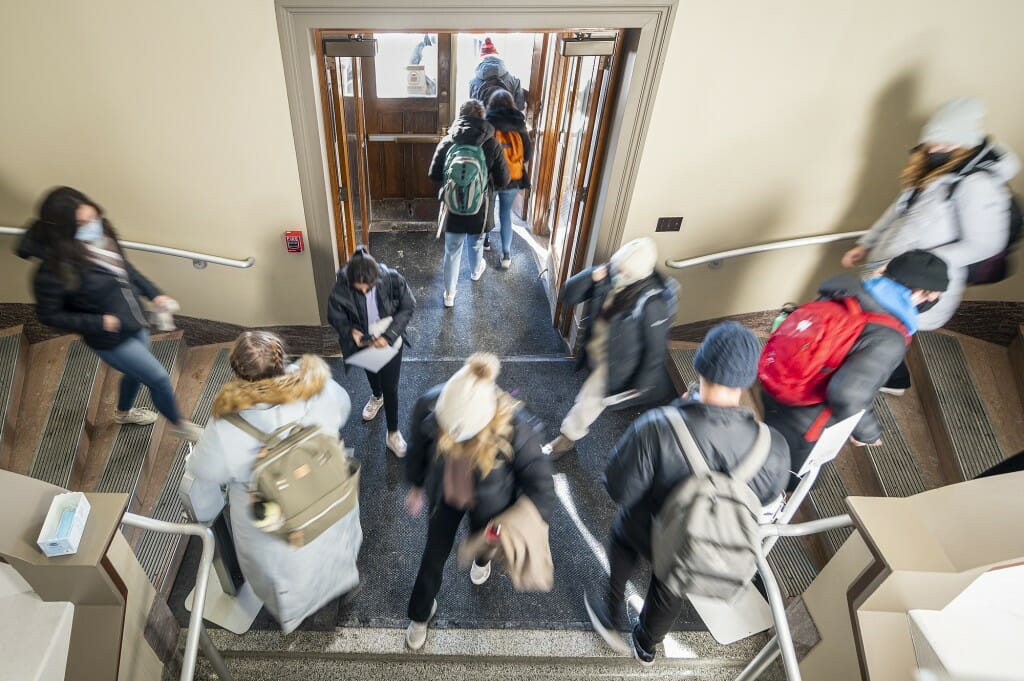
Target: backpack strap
{"points": [[238, 422], [691, 450], [886, 320], [743, 472]]}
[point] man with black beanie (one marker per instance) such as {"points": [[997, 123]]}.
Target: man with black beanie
{"points": [[647, 463], [910, 284]]}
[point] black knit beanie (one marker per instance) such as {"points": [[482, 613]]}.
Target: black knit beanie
{"points": [[919, 270], [728, 356]]}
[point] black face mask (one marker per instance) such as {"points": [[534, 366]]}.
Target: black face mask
{"points": [[927, 305], [937, 159]]}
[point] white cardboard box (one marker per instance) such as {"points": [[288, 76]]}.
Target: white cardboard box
{"points": [[49, 542]]}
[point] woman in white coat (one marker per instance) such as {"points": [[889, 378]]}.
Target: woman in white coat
{"points": [[268, 393]]}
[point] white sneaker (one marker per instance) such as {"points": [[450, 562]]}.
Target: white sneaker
{"points": [[449, 299], [186, 430], [895, 392], [416, 634], [372, 407], [136, 416], [478, 574], [506, 261], [479, 271], [396, 443]]}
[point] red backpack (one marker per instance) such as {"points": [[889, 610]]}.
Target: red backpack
{"points": [[802, 354]]}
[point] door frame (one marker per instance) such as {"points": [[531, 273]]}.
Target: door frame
{"points": [[297, 21]]}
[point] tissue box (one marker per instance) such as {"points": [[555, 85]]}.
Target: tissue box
{"points": [[55, 540]]}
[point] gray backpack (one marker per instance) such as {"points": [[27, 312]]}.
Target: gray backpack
{"points": [[703, 538]]}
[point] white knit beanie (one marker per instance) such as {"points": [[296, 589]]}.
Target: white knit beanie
{"points": [[634, 261], [957, 122], [469, 399]]}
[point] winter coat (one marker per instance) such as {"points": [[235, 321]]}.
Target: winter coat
{"points": [[491, 74], [970, 226], [647, 462], [346, 310], [292, 582], [471, 130], [853, 386], [512, 120], [98, 292], [529, 472], [636, 338]]}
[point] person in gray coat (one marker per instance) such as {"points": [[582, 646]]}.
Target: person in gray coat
{"points": [[647, 463], [269, 393]]}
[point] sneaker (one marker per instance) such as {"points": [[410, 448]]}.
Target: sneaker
{"points": [[478, 574], [506, 261], [645, 658], [416, 634], [558, 447], [136, 416], [896, 392], [487, 242], [186, 430], [372, 408], [604, 624], [479, 271], [396, 443], [449, 299]]}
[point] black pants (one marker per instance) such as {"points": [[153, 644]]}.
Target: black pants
{"points": [[385, 383], [661, 606], [900, 377], [441, 528]]}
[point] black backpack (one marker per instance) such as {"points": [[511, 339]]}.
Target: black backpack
{"points": [[996, 268]]}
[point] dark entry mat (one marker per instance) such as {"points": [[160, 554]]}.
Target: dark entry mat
{"points": [[393, 542]]}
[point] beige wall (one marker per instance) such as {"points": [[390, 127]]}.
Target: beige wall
{"points": [[173, 116], [792, 118]]}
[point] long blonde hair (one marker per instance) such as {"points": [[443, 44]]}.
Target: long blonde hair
{"points": [[916, 174], [483, 449]]}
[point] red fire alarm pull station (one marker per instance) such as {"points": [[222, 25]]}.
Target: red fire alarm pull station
{"points": [[293, 241]]}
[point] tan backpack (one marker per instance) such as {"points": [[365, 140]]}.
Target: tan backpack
{"points": [[307, 473]]}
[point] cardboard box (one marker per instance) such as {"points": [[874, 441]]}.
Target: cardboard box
{"points": [[55, 540]]}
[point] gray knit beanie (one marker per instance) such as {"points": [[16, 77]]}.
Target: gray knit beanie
{"points": [[957, 122], [728, 356]]}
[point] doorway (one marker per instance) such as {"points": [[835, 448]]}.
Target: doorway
{"points": [[388, 98]]}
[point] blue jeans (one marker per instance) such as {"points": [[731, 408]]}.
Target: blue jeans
{"points": [[506, 197], [133, 359], [453, 256]]}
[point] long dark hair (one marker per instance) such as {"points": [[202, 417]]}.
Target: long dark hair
{"points": [[361, 268], [56, 228]]}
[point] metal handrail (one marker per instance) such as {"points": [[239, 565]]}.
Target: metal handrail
{"points": [[764, 248], [199, 260], [196, 631]]}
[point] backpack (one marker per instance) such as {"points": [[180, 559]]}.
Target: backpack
{"points": [[808, 346], [307, 473], [704, 538], [488, 87], [996, 268], [464, 189], [512, 144]]}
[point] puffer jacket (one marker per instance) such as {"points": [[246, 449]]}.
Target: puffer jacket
{"points": [[636, 338], [471, 130], [511, 120], [99, 292], [491, 74], [967, 227], [853, 386], [529, 472], [647, 462], [346, 309]]}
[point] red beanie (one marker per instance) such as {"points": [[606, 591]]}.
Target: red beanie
{"points": [[488, 48]]}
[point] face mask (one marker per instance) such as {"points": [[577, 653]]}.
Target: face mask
{"points": [[937, 159], [90, 231], [927, 305]]}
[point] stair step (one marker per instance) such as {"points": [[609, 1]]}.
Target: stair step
{"points": [[961, 416], [894, 464], [829, 499], [62, 441], [132, 444], [793, 568], [156, 552], [13, 360], [681, 359]]}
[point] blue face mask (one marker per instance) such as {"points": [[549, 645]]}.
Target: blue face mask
{"points": [[90, 231]]}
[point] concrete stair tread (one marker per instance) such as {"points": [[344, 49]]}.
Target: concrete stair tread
{"points": [[13, 367]]}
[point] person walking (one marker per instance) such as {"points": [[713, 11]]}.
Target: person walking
{"points": [[84, 284], [370, 306], [625, 330], [510, 131], [269, 393], [473, 451], [472, 137], [648, 463], [492, 74]]}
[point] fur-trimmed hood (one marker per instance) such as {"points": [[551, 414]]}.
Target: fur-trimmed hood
{"points": [[302, 381]]}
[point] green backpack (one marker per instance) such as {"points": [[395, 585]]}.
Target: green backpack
{"points": [[465, 179]]}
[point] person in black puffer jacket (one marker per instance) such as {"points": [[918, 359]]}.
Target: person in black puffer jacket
{"points": [[473, 450], [647, 463], [371, 304], [469, 128], [625, 331], [510, 131], [84, 284]]}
